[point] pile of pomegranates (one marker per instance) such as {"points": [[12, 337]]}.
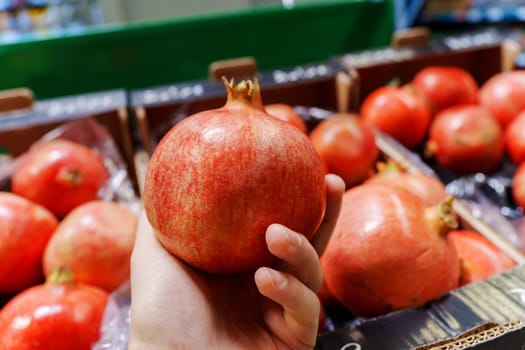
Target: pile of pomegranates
{"points": [[63, 249]]}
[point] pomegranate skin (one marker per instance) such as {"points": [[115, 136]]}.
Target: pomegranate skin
{"points": [[60, 175], [94, 241], [53, 316], [25, 229], [388, 251], [219, 178]]}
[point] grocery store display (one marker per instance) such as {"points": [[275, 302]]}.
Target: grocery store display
{"points": [[220, 177], [94, 241], [59, 314], [25, 230], [347, 146], [60, 175]]}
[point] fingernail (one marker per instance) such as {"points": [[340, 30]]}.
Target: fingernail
{"points": [[291, 237], [276, 278]]}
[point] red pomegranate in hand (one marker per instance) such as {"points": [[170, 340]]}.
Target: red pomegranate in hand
{"points": [[60, 175], [57, 315], [94, 241], [25, 229], [220, 177], [389, 251]]}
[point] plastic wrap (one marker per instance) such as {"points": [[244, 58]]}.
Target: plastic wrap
{"points": [[114, 331]]}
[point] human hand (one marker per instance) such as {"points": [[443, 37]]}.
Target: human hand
{"points": [[174, 306]]}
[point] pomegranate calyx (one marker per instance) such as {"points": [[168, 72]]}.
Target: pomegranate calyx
{"points": [[246, 92], [70, 177], [61, 275], [442, 216], [388, 167]]}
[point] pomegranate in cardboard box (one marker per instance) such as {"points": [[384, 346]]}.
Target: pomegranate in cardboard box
{"points": [[389, 251]]}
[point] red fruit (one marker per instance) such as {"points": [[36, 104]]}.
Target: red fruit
{"points": [[480, 258], [219, 178], [401, 112], [286, 113], [428, 188], [347, 145], [325, 296], [515, 138], [445, 86], [56, 315], [466, 139], [94, 241], [518, 186], [60, 175], [25, 228], [389, 251], [504, 95]]}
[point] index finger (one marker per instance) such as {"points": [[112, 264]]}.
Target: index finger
{"points": [[335, 188]]}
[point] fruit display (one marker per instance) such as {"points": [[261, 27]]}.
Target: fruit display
{"points": [[218, 176], [68, 217]]}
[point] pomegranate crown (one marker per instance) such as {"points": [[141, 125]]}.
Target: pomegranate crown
{"points": [[246, 92]]}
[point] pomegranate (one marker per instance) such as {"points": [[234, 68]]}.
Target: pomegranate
{"points": [[94, 241], [466, 139], [286, 113], [389, 251], [429, 188], [220, 177], [347, 145], [446, 86], [25, 229], [60, 175], [518, 186], [515, 139], [399, 111], [57, 315], [504, 95], [480, 258]]}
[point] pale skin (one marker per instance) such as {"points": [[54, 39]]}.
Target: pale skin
{"points": [[177, 307]]}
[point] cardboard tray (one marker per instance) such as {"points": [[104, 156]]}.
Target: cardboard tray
{"points": [[20, 128]]}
